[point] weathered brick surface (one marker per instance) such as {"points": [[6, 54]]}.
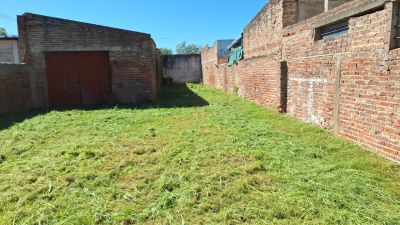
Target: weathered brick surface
{"points": [[350, 84], [263, 35], [259, 76], [262, 84], [370, 87], [132, 54], [368, 105], [209, 60], [15, 93], [258, 79]]}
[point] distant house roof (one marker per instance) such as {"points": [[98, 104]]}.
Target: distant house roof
{"points": [[9, 38]]}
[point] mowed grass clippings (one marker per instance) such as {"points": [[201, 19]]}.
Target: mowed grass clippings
{"points": [[195, 156]]}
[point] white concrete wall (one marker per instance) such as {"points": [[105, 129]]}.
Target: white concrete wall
{"points": [[9, 51], [183, 68]]}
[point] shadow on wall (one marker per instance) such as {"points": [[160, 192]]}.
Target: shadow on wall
{"points": [[172, 96], [181, 69]]}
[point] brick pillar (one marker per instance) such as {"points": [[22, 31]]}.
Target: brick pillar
{"points": [[284, 87], [338, 70], [22, 40]]}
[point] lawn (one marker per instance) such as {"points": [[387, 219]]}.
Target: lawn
{"points": [[195, 156]]}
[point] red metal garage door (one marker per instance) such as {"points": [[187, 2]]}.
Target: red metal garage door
{"points": [[78, 78]]}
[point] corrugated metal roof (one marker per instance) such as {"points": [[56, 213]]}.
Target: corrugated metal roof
{"points": [[235, 41]]}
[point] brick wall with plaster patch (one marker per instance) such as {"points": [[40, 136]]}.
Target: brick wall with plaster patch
{"points": [[349, 83]]}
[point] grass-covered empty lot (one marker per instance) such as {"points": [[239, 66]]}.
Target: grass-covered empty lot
{"points": [[196, 156]]}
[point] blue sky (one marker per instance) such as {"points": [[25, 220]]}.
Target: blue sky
{"points": [[168, 21]]}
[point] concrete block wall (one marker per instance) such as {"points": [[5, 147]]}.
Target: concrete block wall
{"points": [[15, 92], [159, 69], [350, 83], [183, 68], [132, 54]]}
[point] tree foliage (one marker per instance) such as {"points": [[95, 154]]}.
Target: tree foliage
{"points": [[3, 32], [184, 48], [166, 51]]}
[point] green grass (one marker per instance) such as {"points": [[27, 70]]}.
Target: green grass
{"points": [[195, 156]]}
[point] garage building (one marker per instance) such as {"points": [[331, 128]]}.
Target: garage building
{"points": [[75, 63]]}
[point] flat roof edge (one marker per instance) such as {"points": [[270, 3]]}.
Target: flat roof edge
{"points": [[84, 23]]}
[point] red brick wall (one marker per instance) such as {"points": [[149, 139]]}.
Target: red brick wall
{"points": [[258, 79], [132, 54], [350, 84], [312, 75], [15, 93], [209, 61], [370, 87], [263, 35], [260, 84], [259, 76]]}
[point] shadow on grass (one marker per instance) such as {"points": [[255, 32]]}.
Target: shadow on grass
{"points": [[172, 96]]}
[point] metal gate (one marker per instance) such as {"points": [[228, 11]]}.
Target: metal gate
{"points": [[78, 78]]}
